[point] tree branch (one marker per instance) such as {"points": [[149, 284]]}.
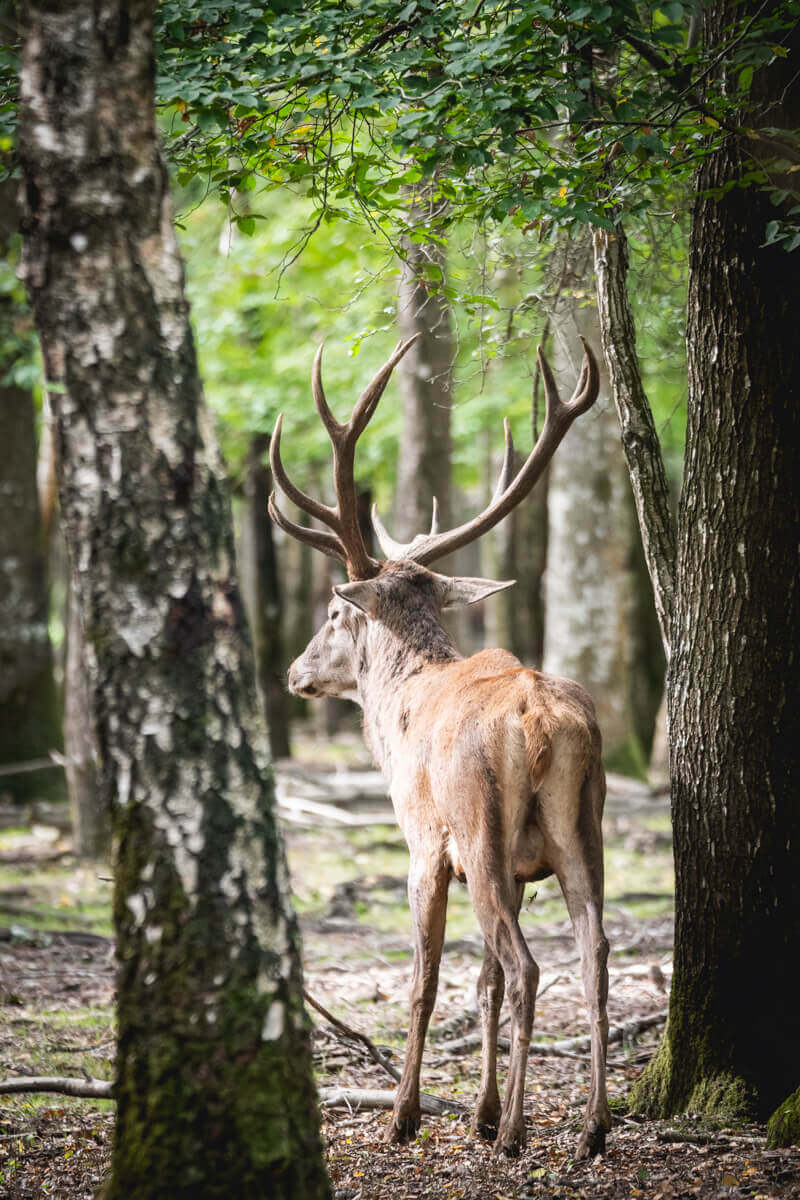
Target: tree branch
{"points": [[370, 1046], [639, 437], [94, 1089]]}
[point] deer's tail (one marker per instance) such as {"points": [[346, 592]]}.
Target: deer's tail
{"points": [[537, 729]]}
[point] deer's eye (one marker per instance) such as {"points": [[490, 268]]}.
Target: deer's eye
{"points": [[336, 614]]}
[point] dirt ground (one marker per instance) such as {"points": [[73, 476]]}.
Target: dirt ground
{"points": [[56, 1017]]}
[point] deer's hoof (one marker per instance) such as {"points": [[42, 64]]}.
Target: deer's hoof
{"points": [[402, 1130], [591, 1142], [510, 1147], [486, 1120], [509, 1142]]}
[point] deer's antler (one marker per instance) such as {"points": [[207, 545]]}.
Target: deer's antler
{"points": [[342, 539], [428, 547]]}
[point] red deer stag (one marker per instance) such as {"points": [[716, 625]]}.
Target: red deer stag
{"points": [[494, 769]]}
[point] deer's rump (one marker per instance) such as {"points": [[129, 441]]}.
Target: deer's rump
{"points": [[508, 757]]}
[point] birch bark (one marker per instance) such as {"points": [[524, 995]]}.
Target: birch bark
{"points": [[214, 1091]]}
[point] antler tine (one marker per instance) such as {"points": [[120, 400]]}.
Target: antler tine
{"points": [[320, 539], [346, 541], [368, 400], [333, 427], [507, 469], [425, 549], [392, 549], [588, 384], [435, 516], [586, 388], [313, 507]]}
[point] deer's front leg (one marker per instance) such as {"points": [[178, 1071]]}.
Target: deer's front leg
{"points": [[427, 895]]}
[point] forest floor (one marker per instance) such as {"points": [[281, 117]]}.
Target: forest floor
{"points": [[56, 1018]]}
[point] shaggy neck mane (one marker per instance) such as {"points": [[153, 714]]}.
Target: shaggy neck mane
{"points": [[409, 630]]}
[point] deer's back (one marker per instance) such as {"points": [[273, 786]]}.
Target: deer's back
{"points": [[500, 753]]}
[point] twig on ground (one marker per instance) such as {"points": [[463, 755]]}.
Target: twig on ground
{"points": [[463, 1020], [52, 1134], [368, 1045], [64, 1048]]}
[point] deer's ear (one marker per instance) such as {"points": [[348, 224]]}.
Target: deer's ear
{"points": [[361, 593], [461, 590]]}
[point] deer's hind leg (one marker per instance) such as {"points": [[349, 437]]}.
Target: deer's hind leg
{"points": [[494, 899], [428, 879], [580, 874], [491, 986]]}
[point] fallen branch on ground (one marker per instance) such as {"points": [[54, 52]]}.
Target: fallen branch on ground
{"points": [[707, 1139], [567, 1047], [92, 1089], [309, 812], [369, 1045], [363, 1098]]}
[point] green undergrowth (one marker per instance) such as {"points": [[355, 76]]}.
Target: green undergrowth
{"points": [[61, 894], [628, 759]]}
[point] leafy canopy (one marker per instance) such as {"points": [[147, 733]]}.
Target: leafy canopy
{"points": [[545, 112]]}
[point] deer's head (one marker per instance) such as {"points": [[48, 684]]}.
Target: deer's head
{"points": [[405, 599], [400, 593]]}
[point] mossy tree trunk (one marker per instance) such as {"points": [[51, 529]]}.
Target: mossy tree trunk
{"points": [[732, 1044], [30, 715], [214, 1091]]}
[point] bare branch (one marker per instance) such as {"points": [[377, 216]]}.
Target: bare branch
{"points": [[369, 1045]]}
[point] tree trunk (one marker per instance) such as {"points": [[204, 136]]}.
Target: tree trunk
{"points": [[214, 1091], [262, 595], [91, 813], [423, 469], [30, 718], [527, 564], [732, 1044], [590, 583]]}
